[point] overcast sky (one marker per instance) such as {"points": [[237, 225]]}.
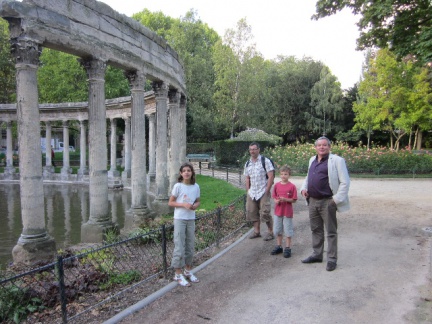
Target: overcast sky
{"points": [[280, 27]]}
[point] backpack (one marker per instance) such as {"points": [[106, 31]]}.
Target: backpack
{"points": [[263, 165]]}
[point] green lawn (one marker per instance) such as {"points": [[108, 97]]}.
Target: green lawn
{"points": [[216, 192]]}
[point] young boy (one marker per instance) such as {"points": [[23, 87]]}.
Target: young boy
{"points": [[284, 195]]}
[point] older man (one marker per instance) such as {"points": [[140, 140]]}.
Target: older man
{"points": [[259, 172], [326, 187]]}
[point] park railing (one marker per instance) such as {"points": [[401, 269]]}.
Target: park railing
{"points": [[76, 285]]}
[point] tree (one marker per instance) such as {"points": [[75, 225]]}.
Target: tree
{"points": [[404, 26], [326, 96], [7, 67], [193, 40], [230, 60]]}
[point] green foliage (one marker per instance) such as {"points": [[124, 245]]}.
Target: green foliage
{"points": [[378, 160], [122, 278], [403, 26], [257, 135], [15, 304], [103, 260], [326, 101], [111, 236], [394, 97], [61, 78], [7, 66]]}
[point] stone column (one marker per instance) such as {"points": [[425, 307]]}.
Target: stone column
{"points": [[138, 144], [174, 125], [48, 170], [9, 170], [161, 94], [152, 147], [83, 170], [34, 243], [99, 219], [113, 174], [127, 149], [66, 170], [182, 129]]}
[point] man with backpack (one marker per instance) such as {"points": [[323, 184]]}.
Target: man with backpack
{"points": [[259, 173]]}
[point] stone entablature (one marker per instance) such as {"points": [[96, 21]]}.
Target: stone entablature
{"points": [[67, 111], [89, 28]]}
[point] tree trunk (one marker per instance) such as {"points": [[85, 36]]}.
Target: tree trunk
{"points": [[419, 139]]}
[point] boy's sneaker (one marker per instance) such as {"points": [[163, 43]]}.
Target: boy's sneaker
{"points": [[278, 249], [287, 252]]}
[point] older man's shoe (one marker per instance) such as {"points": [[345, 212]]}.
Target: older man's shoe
{"points": [[331, 266], [311, 259]]}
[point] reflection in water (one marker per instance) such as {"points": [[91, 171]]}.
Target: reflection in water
{"points": [[66, 209]]}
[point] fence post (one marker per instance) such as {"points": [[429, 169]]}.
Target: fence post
{"points": [[199, 163], [240, 174], [164, 250], [62, 292], [212, 171], [227, 175], [218, 226]]}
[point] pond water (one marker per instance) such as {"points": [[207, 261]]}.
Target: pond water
{"points": [[66, 209]]}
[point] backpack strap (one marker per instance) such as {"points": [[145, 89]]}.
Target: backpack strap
{"points": [[263, 163]]}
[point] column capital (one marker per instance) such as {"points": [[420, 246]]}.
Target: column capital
{"points": [[160, 88], [136, 79], [183, 101], [26, 51], [95, 68], [173, 96], [65, 123]]}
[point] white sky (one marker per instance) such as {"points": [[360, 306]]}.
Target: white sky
{"points": [[280, 27]]}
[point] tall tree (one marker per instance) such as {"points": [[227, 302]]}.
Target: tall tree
{"points": [[7, 67], [404, 26], [230, 59], [326, 103], [193, 40]]}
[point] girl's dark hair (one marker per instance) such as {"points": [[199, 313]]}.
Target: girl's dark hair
{"points": [[190, 166]]}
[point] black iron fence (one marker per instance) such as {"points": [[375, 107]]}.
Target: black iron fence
{"points": [[74, 286]]}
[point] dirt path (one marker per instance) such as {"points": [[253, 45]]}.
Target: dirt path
{"points": [[383, 274]]}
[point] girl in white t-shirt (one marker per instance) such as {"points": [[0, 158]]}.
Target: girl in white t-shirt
{"points": [[185, 197]]}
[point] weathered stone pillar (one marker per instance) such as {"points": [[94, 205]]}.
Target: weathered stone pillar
{"points": [[34, 243], [127, 149], [83, 170], [48, 169], [113, 174], [99, 220], [66, 170], [174, 125], [182, 129], [138, 144], [152, 147], [9, 169], [161, 94]]}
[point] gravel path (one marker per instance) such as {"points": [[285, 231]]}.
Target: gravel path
{"points": [[383, 273]]}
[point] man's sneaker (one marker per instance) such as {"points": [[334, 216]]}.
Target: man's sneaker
{"points": [[278, 249], [287, 252]]}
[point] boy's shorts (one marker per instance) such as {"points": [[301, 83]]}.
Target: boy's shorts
{"points": [[282, 224], [257, 210]]}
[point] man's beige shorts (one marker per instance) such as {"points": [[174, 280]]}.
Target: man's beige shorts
{"points": [[257, 210]]}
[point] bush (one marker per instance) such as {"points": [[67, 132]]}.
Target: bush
{"points": [[378, 160]]}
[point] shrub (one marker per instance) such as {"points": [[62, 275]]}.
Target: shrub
{"points": [[378, 160]]}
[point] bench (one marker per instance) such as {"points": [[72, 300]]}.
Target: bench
{"points": [[200, 158]]}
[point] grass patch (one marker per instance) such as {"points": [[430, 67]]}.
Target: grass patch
{"points": [[216, 192]]}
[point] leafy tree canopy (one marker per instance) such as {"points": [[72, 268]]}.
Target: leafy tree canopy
{"points": [[404, 26]]}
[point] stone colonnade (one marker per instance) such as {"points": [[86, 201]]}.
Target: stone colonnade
{"points": [[99, 36]]}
